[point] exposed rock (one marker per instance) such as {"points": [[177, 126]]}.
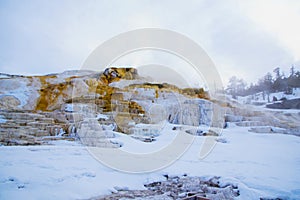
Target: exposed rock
{"points": [[185, 187], [91, 133], [115, 74], [199, 132], [233, 118], [9, 102], [286, 104], [57, 104], [251, 123], [267, 129], [222, 140], [25, 128], [261, 120]]}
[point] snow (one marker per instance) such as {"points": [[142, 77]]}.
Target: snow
{"points": [[22, 88], [70, 73], [2, 119], [61, 132], [258, 98], [175, 107], [162, 130], [4, 76], [102, 116], [17, 87], [265, 163], [61, 77], [84, 109], [261, 165], [69, 108], [125, 83]]}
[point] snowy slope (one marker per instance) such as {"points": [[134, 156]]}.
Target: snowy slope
{"points": [[262, 165], [263, 98]]}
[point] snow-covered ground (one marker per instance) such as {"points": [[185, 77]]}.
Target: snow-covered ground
{"points": [[263, 98], [2, 119], [262, 165]]}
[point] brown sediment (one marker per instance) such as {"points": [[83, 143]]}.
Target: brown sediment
{"points": [[165, 87], [49, 93], [114, 74], [195, 92]]}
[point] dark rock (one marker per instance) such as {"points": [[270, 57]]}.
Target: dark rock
{"points": [[286, 104]]}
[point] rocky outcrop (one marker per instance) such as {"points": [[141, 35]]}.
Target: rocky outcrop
{"points": [[25, 128], [263, 121], [285, 104], [93, 134], [114, 74], [193, 112], [9, 102], [41, 107]]}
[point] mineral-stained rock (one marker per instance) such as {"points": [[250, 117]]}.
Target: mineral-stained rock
{"points": [[58, 104], [114, 74]]}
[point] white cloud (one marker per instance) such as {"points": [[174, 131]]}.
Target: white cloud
{"points": [[280, 19], [244, 38]]}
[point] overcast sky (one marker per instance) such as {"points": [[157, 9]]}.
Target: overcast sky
{"points": [[243, 38]]}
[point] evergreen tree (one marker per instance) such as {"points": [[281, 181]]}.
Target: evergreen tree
{"points": [[267, 84]]}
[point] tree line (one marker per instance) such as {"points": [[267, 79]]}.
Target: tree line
{"points": [[269, 83]]}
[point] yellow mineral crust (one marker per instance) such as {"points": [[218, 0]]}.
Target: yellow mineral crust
{"points": [[54, 94]]}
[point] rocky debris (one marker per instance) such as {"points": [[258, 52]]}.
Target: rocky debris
{"points": [[285, 104], [222, 140], [185, 187], [199, 132], [134, 194]]}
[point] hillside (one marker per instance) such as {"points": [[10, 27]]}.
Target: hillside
{"points": [[115, 135], [35, 108]]}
